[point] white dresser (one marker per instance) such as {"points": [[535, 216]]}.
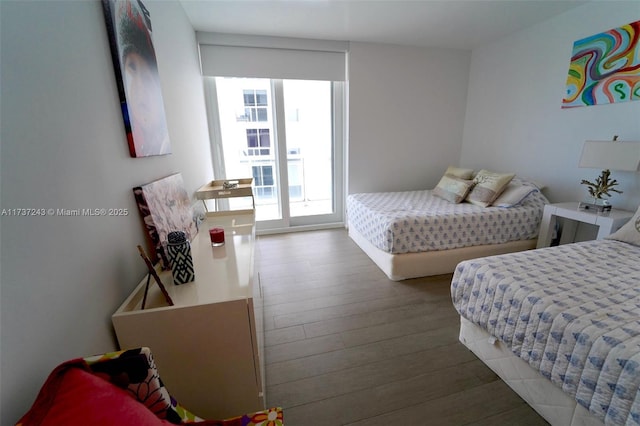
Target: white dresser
{"points": [[209, 346]]}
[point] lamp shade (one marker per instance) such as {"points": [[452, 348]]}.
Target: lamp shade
{"points": [[612, 155]]}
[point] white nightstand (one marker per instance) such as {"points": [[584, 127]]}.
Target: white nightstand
{"points": [[607, 222]]}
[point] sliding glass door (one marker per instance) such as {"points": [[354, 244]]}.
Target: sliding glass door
{"points": [[287, 135], [308, 126]]}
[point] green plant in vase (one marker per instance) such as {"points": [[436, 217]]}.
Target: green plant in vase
{"points": [[602, 186]]}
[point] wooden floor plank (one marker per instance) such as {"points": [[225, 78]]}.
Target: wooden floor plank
{"points": [[284, 335], [362, 377], [366, 319], [385, 401], [522, 415], [289, 319], [293, 292], [303, 348], [459, 408], [355, 296], [437, 318], [326, 362]]}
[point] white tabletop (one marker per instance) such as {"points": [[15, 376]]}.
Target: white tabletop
{"points": [[222, 273]]}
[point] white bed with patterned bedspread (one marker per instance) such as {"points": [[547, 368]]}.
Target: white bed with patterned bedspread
{"points": [[392, 226], [572, 314]]}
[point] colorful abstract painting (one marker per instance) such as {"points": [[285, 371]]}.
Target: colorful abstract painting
{"points": [[605, 68]]}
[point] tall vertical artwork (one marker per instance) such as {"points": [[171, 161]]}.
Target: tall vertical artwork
{"points": [[605, 68], [134, 61]]}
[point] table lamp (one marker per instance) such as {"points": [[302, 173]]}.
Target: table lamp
{"points": [[606, 155]]}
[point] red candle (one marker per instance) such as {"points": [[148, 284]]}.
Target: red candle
{"points": [[217, 236]]}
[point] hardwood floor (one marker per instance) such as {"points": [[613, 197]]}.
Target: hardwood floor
{"points": [[346, 346]]}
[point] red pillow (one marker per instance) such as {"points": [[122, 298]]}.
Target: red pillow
{"points": [[85, 399]]}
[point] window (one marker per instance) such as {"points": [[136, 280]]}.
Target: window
{"points": [[263, 181], [255, 106], [258, 142], [294, 157], [295, 88], [296, 180]]}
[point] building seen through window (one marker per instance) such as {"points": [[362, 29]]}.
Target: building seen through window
{"points": [[257, 143]]}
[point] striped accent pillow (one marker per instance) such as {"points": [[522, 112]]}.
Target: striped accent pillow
{"points": [[452, 188]]}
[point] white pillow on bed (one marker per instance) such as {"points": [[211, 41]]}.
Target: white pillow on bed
{"points": [[513, 194], [630, 231]]}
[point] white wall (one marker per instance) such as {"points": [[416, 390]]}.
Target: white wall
{"points": [[406, 115], [63, 146], [514, 121]]}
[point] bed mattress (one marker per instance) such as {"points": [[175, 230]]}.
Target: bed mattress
{"points": [[571, 312], [418, 221], [555, 406]]}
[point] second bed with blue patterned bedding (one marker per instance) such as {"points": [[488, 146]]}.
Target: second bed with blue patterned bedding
{"points": [[418, 221], [571, 312]]}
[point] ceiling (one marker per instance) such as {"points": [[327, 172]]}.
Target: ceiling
{"points": [[457, 24]]}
